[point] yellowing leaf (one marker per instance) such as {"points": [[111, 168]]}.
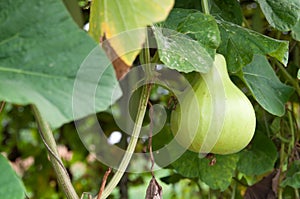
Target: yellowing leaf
{"points": [[123, 23]]}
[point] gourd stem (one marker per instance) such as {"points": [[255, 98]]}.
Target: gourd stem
{"points": [[49, 141], [205, 7], [137, 126]]}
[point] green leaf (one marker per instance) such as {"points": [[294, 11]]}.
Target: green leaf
{"points": [[217, 176], [298, 74], [240, 44], [199, 26], [176, 16], [292, 176], [177, 51], [265, 86], [10, 184], [202, 28], [260, 158], [194, 49], [112, 17], [228, 10], [283, 14], [41, 53], [296, 31]]}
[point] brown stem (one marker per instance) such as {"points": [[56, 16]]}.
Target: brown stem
{"points": [[2, 106], [103, 183], [150, 138]]}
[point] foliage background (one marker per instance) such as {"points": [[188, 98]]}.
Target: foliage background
{"points": [[274, 148]]}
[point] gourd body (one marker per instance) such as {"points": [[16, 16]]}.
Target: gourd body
{"points": [[215, 116]]}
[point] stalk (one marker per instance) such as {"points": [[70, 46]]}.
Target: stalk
{"points": [[49, 141], [205, 8], [137, 125]]}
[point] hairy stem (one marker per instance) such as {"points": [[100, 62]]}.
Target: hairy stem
{"points": [[49, 141], [205, 7]]}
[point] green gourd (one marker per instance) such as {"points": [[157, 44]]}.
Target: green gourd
{"points": [[215, 116]]}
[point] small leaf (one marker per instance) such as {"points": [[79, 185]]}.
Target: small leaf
{"points": [[216, 176], [41, 54], [292, 176], [265, 86], [177, 51], [283, 14], [228, 10], [240, 44], [10, 184], [260, 158], [172, 179], [115, 17]]}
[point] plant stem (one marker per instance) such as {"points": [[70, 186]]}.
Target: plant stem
{"points": [[205, 7], [296, 194], [282, 161], [289, 78], [49, 141], [137, 126], [131, 146]]}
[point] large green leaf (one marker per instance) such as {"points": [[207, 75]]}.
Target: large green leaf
{"points": [[265, 86], [41, 52], [281, 14], [296, 31], [188, 40], [112, 17], [180, 52], [228, 10], [293, 176], [202, 28], [260, 158], [10, 184], [240, 44], [217, 176]]}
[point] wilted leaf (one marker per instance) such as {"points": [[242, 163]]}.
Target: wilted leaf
{"points": [[114, 17], [260, 158], [283, 14], [154, 190], [292, 176], [10, 184], [240, 44], [216, 176], [265, 86], [41, 53], [264, 189]]}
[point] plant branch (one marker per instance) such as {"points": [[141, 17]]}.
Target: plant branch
{"points": [[49, 141]]}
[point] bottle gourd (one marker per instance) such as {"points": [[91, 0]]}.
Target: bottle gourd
{"points": [[215, 116]]}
